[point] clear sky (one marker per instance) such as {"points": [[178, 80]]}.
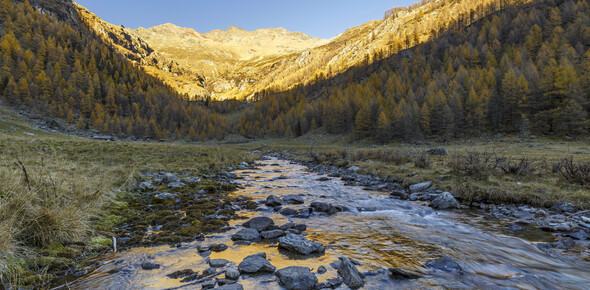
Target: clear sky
{"points": [[318, 18]]}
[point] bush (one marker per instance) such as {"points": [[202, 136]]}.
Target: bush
{"points": [[473, 163], [422, 161], [575, 172], [519, 167]]}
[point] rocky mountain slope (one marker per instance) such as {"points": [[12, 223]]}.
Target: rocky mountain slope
{"points": [[236, 63]]}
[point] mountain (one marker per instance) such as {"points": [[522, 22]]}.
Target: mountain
{"points": [[236, 63], [522, 69]]}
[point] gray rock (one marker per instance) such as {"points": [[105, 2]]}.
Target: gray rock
{"points": [[419, 187], [354, 168], [288, 211], [323, 207], [287, 226], [295, 278], [247, 234], [145, 185], [565, 207], [331, 283], [304, 213], [259, 223], [176, 185], [350, 274], [300, 227], [210, 284], [231, 287], [272, 234], [232, 273], [222, 281], [445, 201], [438, 151], [191, 180], [446, 264], [256, 263], [150, 266], [218, 263], [300, 244], [273, 201], [293, 199], [169, 178], [402, 194], [579, 235], [165, 195], [218, 247]]}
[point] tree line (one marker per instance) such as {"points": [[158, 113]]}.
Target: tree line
{"points": [[522, 70]]}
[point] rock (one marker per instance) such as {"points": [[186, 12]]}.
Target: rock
{"points": [[247, 234], [331, 283], [419, 187], [272, 234], [218, 263], [300, 227], [350, 274], [446, 264], [145, 185], [400, 274], [323, 179], [579, 235], [231, 287], [165, 195], [293, 199], [565, 207], [322, 270], [323, 207], [210, 284], [232, 273], [256, 263], [150, 266], [273, 201], [300, 244], [402, 194], [218, 247], [438, 151], [295, 278], [181, 274], [191, 180], [259, 223], [222, 281], [169, 177], [354, 169], [514, 227], [287, 226], [445, 201], [176, 185], [366, 209], [304, 213], [288, 211]]}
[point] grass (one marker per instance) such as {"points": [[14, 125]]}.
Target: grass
{"points": [[57, 193]]}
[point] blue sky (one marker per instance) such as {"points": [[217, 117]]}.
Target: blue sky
{"points": [[318, 18]]}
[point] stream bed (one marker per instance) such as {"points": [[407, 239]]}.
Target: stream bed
{"points": [[376, 230]]}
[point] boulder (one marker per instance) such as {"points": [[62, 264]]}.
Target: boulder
{"points": [[322, 270], [419, 187], [293, 199], [145, 185], [323, 207], [210, 284], [150, 266], [331, 283], [256, 263], [169, 178], [402, 194], [288, 211], [299, 244], [259, 223], [446, 264], [445, 201], [232, 274], [272, 234], [273, 201], [350, 274], [565, 207], [247, 234], [218, 247], [438, 151], [218, 263], [295, 278], [174, 185], [231, 287]]}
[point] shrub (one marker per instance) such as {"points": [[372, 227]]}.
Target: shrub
{"points": [[422, 161], [473, 163], [520, 167], [576, 172]]}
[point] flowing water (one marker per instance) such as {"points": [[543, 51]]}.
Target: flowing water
{"points": [[394, 233]]}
